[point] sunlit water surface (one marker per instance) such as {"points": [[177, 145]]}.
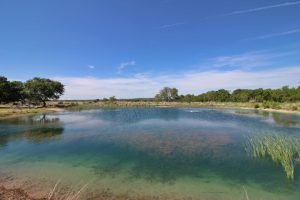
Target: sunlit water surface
{"points": [[193, 153]]}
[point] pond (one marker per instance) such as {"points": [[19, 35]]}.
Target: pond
{"points": [[146, 153]]}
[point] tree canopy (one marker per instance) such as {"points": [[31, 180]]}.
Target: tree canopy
{"points": [[4, 89], [36, 89], [42, 89], [284, 94], [167, 94]]}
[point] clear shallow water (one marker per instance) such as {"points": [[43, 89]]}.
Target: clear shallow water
{"points": [[168, 152]]}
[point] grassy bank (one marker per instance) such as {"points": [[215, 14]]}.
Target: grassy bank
{"points": [[279, 107], [9, 111]]}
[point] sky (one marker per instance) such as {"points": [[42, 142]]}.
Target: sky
{"points": [[133, 48]]}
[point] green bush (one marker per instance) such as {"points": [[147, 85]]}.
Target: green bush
{"points": [[256, 106], [294, 108], [275, 106], [266, 104]]}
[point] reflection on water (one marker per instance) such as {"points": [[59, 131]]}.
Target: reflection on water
{"points": [[32, 120], [197, 153], [36, 129], [287, 120], [42, 134]]}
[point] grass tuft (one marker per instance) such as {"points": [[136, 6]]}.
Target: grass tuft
{"points": [[281, 149]]}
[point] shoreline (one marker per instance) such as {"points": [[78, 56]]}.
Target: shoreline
{"points": [[20, 112], [6, 112]]}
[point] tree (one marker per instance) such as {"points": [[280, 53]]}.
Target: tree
{"points": [[167, 94], [42, 89], [4, 89], [222, 95], [112, 99], [188, 98], [241, 95], [16, 91]]}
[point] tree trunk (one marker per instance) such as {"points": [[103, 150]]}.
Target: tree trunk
{"points": [[44, 103]]}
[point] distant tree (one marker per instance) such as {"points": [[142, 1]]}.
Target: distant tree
{"points": [[42, 89], [17, 92], [267, 95], [112, 99], [284, 94], [222, 95], [257, 95], [241, 95], [188, 98], [4, 89], [167, 94]]}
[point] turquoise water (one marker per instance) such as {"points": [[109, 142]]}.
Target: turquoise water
{"points": [[173, 153]]}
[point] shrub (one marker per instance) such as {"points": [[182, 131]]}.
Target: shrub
{"points": [[256, 106], [266, 105], [74, 104], [294, 108], [275, 106]]}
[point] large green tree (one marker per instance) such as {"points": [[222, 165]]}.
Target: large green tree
{"points": [[167, 94], [42, 89], [4, 89], [16, 91]]}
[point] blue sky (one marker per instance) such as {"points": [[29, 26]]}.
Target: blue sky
{"points": [[132, 48]]}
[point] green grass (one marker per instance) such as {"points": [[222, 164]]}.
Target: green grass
{"points": [[124, 104], [6, 111], [281, 149]]}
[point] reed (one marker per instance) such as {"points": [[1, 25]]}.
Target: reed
{"points": [[281, 149]]}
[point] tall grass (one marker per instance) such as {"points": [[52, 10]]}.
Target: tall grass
{"points": [[281, 149]]}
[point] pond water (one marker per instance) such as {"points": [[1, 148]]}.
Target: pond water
{"points": [[146, 153]]}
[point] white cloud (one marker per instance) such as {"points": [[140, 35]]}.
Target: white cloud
{"points": [[246, 60], [238, 12], [249, 60], [171, 25], [191, 82], [91, 66], [274, 35], [125, 64]]}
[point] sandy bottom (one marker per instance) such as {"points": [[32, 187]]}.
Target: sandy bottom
{"points": [[31, 183]]}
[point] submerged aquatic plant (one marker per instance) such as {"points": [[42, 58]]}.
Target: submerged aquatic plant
{"points": [[281, 149]]}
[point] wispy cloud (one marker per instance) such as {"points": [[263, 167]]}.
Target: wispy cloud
{"points": [[91, 67], [124, 65], [166, 26], [238, 12], [262, 37], [249, 60], [245, 60]]}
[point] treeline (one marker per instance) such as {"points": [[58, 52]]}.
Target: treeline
{"points": [[284, 94], [36, 90]]}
